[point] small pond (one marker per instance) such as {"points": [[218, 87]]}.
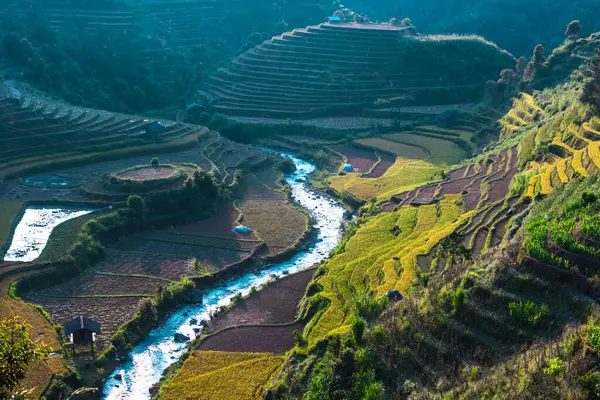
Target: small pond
{"points": [[34, 228], [50, 180]]}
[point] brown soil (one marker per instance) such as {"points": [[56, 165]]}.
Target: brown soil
{"points": [[255, 339], [386, 162], [218, 225], [362, 160], [457, 173], [147, 173], [276, 304], [425, 195]]}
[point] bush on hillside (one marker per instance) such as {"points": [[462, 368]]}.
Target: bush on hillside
{"points": [[529, 313]]}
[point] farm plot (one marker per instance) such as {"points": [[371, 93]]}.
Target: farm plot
{"points": [[276, 304], [148, 173], [268, 213], [386, 161], [361, 159], [40, 373], [215, 375], [404, 175], [275, 339], [440, 150], [401, 150], [219, 257], [95, 171], [381, 256], [220, 224], [110, 312]]}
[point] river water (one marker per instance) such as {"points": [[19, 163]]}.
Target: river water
{"points": [[34, 228], [151, 357]]}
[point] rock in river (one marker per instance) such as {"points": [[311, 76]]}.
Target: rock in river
{"points": [[179, 337], [193, 296]]}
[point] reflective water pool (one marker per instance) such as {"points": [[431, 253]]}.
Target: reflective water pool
{"points": [[34, 228]]}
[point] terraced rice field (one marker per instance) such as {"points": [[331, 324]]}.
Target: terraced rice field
{"points": [[64, 133], [361, 160], [390, 262], [263, 208], [294, 75], [438, 149], [228, 376], [473, 202], [147, 173], [399, 149], [40, 373], [404, 174]]}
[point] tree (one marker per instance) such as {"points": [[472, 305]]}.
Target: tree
{"points": [[136, 203], [394, 22], [591, 88], [521, 65], [17, 351], [536, 67], [155, 162], [286, 166], [573, 30]]}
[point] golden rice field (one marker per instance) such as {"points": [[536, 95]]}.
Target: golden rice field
{"points": [[377, 260], [404, 175], [216, 375]]}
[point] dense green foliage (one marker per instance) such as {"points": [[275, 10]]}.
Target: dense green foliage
{"points": [[138, 68], [17, 351], [563, 228], [508, 23]]}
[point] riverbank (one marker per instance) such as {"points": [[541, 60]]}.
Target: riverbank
{"points": [[159, 350], [271, 313]]}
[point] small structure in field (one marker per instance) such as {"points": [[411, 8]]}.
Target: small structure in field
{"points": [[82, 330], [334, 19], [348, 168], [154, 130], [241, 229]]}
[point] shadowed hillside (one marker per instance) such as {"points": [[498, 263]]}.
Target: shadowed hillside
{"points": [[515, 25], [347, 68]]}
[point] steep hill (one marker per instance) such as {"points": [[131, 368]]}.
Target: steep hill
{"points": [[496, 266], [140, 55], [346, 68]]}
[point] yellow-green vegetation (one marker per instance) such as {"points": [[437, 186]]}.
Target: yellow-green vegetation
{"points": [[522, 113], [439, 150], [401, 150], [381, 256], [404, 175], [9, 210], [263, 208], [215, 375]]}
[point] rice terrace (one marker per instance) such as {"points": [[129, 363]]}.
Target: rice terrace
{"points": [[210, 199]]}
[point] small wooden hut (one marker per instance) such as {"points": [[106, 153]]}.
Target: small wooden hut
{"points": [[82, 330]]}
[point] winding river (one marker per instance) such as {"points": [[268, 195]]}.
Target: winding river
{"points": [[151, 357]]}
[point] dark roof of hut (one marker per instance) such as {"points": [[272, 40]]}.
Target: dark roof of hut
{"points": [[81, 323]]}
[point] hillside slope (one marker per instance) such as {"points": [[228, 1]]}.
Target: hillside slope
{"points": [[514, 25], [136, 56], [495, 270], [346, 68]]}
